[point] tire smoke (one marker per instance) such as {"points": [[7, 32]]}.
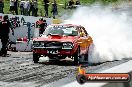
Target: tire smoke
{"points": [[110, 29]]}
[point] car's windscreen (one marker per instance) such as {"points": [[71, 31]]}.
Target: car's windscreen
{"points": [[61, 30]]}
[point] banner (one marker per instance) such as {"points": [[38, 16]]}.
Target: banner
{"points": [[20, 24], [83, 76]]}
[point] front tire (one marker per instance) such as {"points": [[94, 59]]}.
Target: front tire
{"points": [[76, 57], [35, 58], [91, 54]]}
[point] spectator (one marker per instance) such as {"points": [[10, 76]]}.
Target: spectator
{"points": [[0, 29], [70, 4], [31, 8], [54, 9], [78, 2], [16, 7], [5, 29], [22, 7], [26, 7], [46, 6], [12, 6], [35, 6], [1, 6]]}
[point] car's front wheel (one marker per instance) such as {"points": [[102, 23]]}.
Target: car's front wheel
{"points": [[35, 58], [76, 56]]}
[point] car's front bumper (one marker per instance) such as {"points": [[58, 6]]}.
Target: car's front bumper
{"points": [[54, 52]]}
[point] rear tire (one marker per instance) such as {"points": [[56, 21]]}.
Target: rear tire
{"points": [[84, 59], [91, 54], [35, 58], [76, 57]]}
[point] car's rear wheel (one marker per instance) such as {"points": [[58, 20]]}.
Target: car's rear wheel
{"points": [[35, 58], [84, 58], [77, 56], [91, 54]]}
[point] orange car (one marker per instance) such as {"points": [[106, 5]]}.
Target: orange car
{"points": [[62, 40]]}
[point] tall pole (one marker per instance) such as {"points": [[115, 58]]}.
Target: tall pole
{"points": [[29, 30]]}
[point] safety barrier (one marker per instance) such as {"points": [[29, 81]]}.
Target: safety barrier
{"points": [[23, 30]]}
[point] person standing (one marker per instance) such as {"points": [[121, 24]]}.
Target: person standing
{"points": [[45, 25], [12, 6], [46, 6], [42, 25], [5, 29], [22, 7], [1, 6], [16, 6], [54, 9], [26, 7], [70, 4], [78, 2], [31, 7], [35, 6], [0, 28]]}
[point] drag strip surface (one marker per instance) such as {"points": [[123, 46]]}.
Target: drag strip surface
{"points": [[19, 70]]}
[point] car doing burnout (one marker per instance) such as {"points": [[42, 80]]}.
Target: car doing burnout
{"points": [[61, 41]]}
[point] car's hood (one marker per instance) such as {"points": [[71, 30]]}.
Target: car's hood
{"points": [[57, 38]]}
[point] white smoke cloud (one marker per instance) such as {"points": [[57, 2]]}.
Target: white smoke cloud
{"points": [[111, 31]]}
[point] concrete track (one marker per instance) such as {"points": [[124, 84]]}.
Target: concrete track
{"points": [[19, 70]]}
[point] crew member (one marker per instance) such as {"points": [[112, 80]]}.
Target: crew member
{"points": [[45, 24], [42, 25], [4, 34]]}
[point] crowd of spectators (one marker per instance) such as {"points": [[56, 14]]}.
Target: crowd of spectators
{"points": [[1, 6], [73, 4], [30, 7], [26, 7]]}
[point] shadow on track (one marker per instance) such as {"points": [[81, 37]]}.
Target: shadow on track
{"points": [[71, 63], [60, 63]]}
